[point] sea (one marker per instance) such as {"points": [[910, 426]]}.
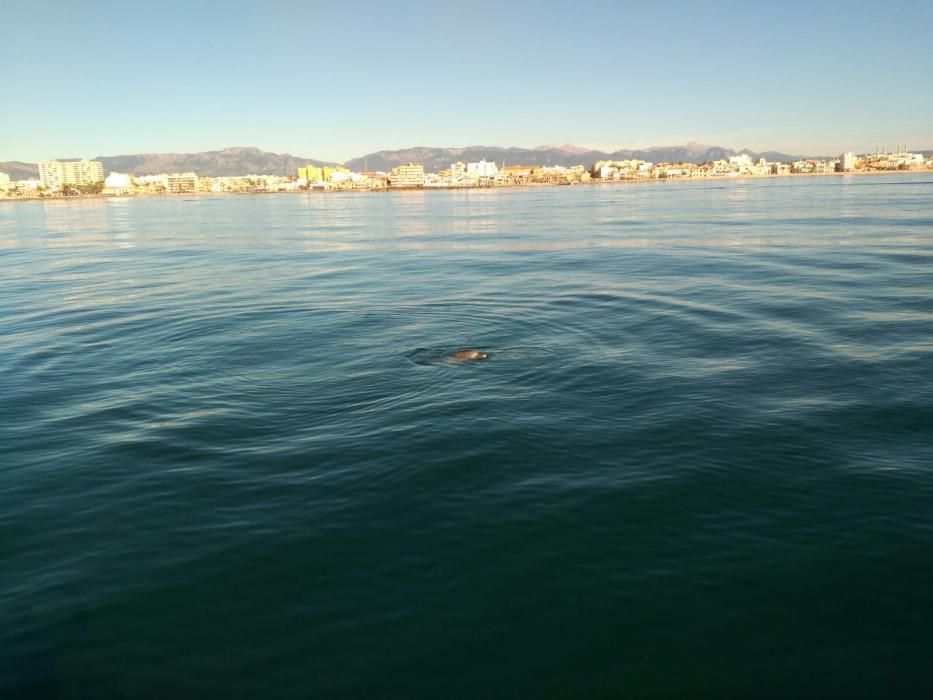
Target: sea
{"points": [[239, 459]]}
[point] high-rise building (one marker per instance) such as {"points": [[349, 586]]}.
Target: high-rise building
{"points": [[51, 174], [92, 171], [56, 174], [409, 175]]}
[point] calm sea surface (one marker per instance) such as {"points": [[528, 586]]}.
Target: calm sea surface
{"points": [[237, 463]]}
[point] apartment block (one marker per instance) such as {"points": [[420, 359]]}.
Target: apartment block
{"points": [[177, 183], [409, 175], [56, 174]]}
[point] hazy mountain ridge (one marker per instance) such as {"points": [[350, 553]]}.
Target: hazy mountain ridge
{"points": [[567, 148], [250, 160], [228, 161], [17, 170], [436, 159]]}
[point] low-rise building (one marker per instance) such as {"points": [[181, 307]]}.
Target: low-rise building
{"points": [[376, 181], [22, 188], [330, 173], [514, 175], [435, 180], [620, 169], [118, 184], [408, 175], [180, 183]]}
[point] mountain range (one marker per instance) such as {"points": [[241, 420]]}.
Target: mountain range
{"points": [[228, 161], [435, 159], [246, 160]]}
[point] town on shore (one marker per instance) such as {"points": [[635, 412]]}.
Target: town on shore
{"points": [[58, 179]]}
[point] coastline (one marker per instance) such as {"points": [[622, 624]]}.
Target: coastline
{"points": [[530, 185]]}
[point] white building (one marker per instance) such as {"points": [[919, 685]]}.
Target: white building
{"points": [[482, 169], [741, 160], [4, 181], [909, 159], [846, 163], [620, 169], [118, 183]]}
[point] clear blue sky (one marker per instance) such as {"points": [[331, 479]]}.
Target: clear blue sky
{"points": [[335, 80]]}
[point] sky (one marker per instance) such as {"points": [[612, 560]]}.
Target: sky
{"points": [[336, 80]]}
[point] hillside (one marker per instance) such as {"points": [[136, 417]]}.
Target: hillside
{"points": [[253, 161], [229, 161], [18, 170], [435, 159]]}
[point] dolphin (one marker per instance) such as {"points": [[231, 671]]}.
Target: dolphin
{"points": [[469, 355]]}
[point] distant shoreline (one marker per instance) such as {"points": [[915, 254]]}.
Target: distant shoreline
{"points": [[530, 185]]}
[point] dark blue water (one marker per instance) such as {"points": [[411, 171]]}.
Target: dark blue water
{"points": [[697, 463]]}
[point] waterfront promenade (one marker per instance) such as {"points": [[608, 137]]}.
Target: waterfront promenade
{"points": [[30, 196]]}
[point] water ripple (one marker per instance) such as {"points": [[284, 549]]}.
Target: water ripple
{"points": [[704, 406]]}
